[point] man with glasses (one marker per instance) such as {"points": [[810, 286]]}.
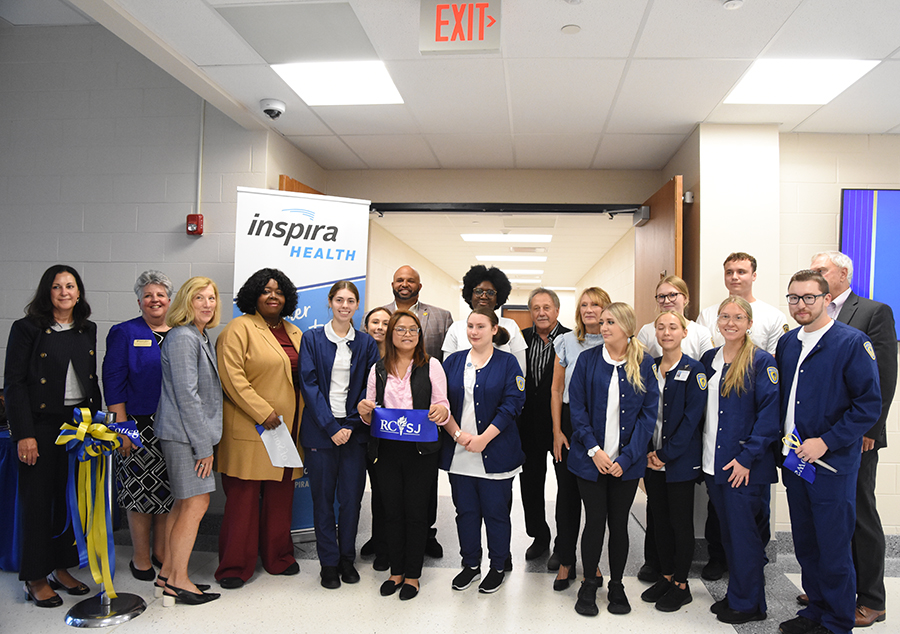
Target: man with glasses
{"points": [[535, 425], [830, 397], [876, 320], [769, 323]]}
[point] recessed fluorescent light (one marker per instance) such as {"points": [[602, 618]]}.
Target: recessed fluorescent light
{"points": [[524, 280], [524, 271], [340, 83], [798, 81], [505, 237], [562, 288], [511, 258]]}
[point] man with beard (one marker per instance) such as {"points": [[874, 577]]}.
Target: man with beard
{"points": [[435, 321], [830, 398]]}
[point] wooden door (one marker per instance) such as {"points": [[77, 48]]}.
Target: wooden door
{"points": [[657, 247]]}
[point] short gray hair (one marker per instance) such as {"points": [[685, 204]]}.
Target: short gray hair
{"points": [[543, 291], [840, 260], [153, 277]]}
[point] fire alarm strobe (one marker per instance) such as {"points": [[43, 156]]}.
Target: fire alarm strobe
{"points": [[195, 224]]}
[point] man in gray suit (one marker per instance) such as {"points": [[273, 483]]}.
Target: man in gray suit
{"points": [[435, 321], [877, 321]]}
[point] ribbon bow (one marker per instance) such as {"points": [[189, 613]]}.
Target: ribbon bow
{"points": [[88, 441]]}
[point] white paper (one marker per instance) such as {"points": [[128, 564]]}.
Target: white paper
{"points": [[280, 446]]}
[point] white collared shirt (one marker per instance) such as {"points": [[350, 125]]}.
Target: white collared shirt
{"points": [[834, 308], [711, 430], [611, 436], [340, 372], [809, 341]]}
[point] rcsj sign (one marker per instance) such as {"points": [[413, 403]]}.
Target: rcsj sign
{"points": [[462, 27]]}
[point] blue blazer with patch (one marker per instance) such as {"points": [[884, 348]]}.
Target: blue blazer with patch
{"points": [[684, 404], [748, 424], [499, 396], [588, 395]]}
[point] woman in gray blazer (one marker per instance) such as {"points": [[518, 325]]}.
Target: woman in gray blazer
{"points": [[188, 424]]}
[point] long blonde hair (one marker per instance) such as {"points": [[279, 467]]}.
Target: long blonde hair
{"points": [[598, 295], [634, 350], [181, 311], [736, 377]]}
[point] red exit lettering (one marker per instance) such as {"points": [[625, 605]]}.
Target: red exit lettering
{"points": [[463, 16]]}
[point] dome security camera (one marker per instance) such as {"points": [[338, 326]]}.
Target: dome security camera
{"points": [[272, 108]]}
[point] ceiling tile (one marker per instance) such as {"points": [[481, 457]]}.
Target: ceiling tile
{"points": [[454, 95], [386, 119], [703, 29], [671, 96], [562, 95], [398, 151], [555, 151], [472, 151], [328, 151], [41, 12], [192, 29], [637, 151]]}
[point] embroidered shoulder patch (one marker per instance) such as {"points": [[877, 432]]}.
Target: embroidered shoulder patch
{"points": [[655, 371], [701, 380], [868, 346], [773, 375], [785, 327], [520, 383]]}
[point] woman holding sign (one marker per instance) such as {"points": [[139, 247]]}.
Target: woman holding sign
{"points": [[483, 452], [742, 422], [258, 356], [404, 381], [334, 363]]}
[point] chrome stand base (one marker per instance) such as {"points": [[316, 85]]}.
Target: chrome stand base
{"points": [[101, 611]]}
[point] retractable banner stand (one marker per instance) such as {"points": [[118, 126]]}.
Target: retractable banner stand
{"points": [[316, 240]]}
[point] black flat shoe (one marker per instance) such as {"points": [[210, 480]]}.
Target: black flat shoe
{"points": [[538, 547], [368, 549], [56, 584], [563, 584], [291, 570], [174, 595], [381, 563], [331, 579], [735, 617], [348, 571], [230, 583], [408, 592], [53, 602], [389, 587], [142, 575], [433, 548]]}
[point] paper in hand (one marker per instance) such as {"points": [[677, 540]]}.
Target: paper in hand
{"points": [[280, 446]]}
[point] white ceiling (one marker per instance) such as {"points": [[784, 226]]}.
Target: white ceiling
{"points": [[623, 93]]}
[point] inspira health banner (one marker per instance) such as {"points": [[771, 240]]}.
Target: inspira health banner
{"points": [[316, 240]]}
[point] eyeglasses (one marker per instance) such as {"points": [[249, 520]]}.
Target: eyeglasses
{"points": [[809, 300], [400, 330], [484, 292], [738, 319], [671, 297]]}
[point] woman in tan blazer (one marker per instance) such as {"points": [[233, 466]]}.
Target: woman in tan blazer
{"points": [[258, 361]]}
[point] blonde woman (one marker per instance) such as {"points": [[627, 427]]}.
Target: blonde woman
{"points": [[742, 422], [613, 400], [188, 425]]}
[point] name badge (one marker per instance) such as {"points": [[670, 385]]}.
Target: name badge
{"points": [[682, 375], [142, 343]]}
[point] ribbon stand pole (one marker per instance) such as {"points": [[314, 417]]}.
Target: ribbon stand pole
{"points": [[101, 610]]}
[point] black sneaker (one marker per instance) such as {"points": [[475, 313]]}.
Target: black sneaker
{"points": [[675, 599], [330, 577], [491, 582], [736, 617], [714, 570], [465, 578], [587, 598], [648, 574], [656, 592], [618, 602], [797, 625], [719, 606], [348, 571]]}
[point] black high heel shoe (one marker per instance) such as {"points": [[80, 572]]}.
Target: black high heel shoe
{"points": [[56, 584], [158, 589], [53, 602], [186, 597], [562, 584]]}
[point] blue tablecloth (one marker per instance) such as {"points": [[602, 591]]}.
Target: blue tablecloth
{"points": [[10, 536]]}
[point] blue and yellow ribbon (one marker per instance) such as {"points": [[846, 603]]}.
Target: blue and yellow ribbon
{"points": [[88, 441]]}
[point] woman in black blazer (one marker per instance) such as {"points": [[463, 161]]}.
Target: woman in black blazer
{"points": [[51, 368]]}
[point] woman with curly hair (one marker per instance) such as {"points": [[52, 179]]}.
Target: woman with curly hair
{"points": [[258, 356], [486, 288]]}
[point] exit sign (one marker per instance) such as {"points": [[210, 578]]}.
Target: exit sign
{"points": [[461, 27]]}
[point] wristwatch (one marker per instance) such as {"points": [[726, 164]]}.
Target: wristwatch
{"points": [[457, 434], [593, 450]]}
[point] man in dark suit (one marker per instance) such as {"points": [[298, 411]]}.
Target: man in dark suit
{"points": [[535, 426], [877, 321]]}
